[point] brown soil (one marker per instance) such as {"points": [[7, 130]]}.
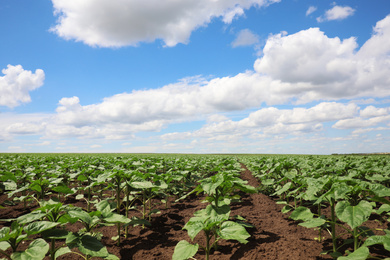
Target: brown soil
{"points": [[274, 236]]}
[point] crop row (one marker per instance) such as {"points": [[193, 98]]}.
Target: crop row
{"points": [[114, 188], [333, 194], [353, 188]]}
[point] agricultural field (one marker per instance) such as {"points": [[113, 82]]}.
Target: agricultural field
{"points": [[134, 206]]}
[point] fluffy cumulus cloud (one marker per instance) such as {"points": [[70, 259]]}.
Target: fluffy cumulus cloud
{"points": [[129, 22], [314, 66], [271, 122], [336, 13], [16, 84], [300, 68]]}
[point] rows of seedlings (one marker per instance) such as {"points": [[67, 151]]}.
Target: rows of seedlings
{"points": [[345, 198], [55, 192]]}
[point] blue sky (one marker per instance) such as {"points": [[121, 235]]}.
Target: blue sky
{"points": [[195, 76]]}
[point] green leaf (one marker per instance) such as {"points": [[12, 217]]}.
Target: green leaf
{"points": [[62, 251], [38, 227], [9, 185], [380, 190], [184, 250], [381, 240], [354, 216], [361, 253], [55, 233], [116, 218], [312, 223], [111, 257], [79, 196], [31, 217], [35, 251], [4, 245], [195, 225], [87, 245], [142, 185], [210, 185], [62, 188], [105, 207], [286, 209], [285, 188], [301, 213], [82, 215], [233, 230], [383, 208]]}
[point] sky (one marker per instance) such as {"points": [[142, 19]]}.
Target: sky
{"points": [[195, 76]]}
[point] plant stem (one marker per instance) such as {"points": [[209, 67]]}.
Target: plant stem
{"points": [[333, 224], [52, 250], [320, 229], [207, 244], [355, 238], [127, 209], [119, 233], [89, 199]]}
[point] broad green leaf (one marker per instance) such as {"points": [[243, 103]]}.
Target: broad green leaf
{"points": [[62, 251], [354, 216], [286, 209], [111, 257], [55, 233], [361, 253], [312, 223], [105, 207], [9, 185], [195, 225], [38, 227], [142, 185], [82, 215], [268, 182], [87, 245], [380, 190], [383, 208], [116, 218], [381, 240], [285, 188], [79, 196], [216, 214], [31, 217], [184, 250], [4, 245], [63, 189], [35, 251], [210, 185], [233, 230], [4, 233], [301, 213]]}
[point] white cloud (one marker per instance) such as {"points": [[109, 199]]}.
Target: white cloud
{"points": [[308, 56], [245, 38], [311, 10], [128, 22], [304, 67], [316, 67], [336, 13], [16, 84], [372, 111], [271, 122]]}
